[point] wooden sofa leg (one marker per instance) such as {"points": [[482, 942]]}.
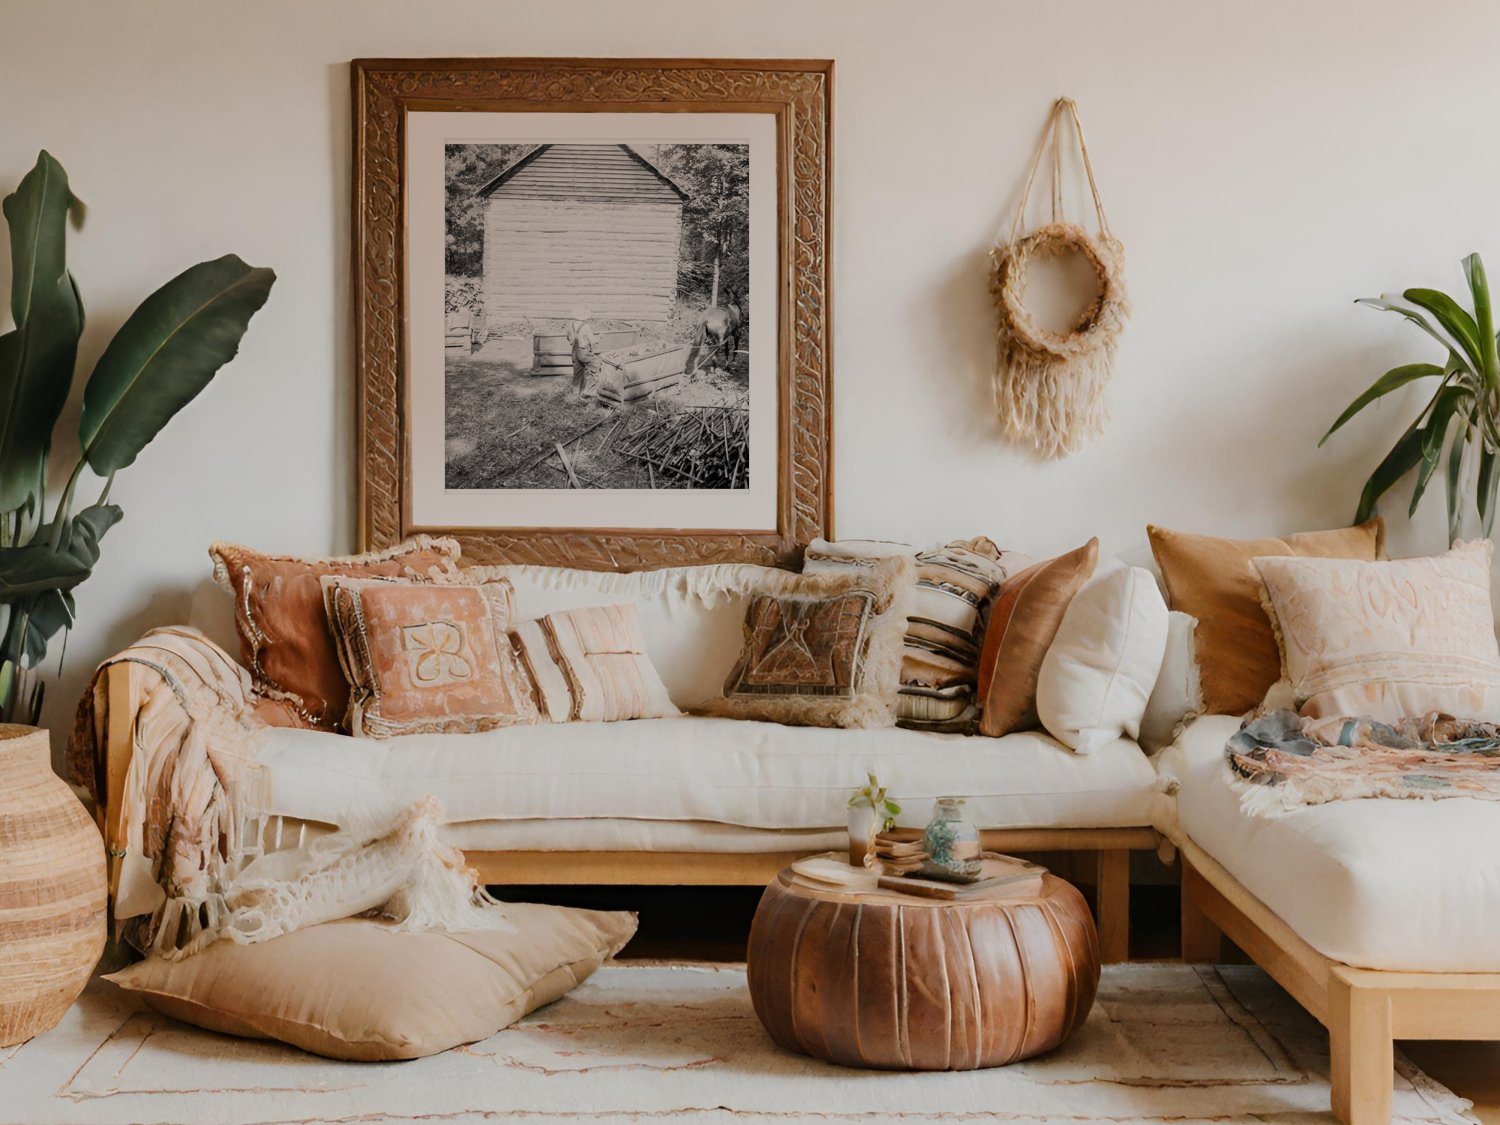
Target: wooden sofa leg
{"points": [[1361, 1052], [1112, 886], [1202, 941]]}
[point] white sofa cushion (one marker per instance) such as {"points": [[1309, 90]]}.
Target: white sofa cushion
{"points": [[731, 771], [1378, 884], [1101, 665]]}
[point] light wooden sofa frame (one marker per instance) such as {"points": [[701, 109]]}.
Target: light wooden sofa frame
{"points": [[1364, 1010], [1111, 846]]}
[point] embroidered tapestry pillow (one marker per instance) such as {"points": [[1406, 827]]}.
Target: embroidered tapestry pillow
{"points": [[590, 665], [357, 989], [1388, 640], [1214, 580], [284, 635], [823, 649], [1023, 623], [955, 586], [427, 657]]}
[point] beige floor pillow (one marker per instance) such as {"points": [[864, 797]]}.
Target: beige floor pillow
{"points": [[356, 990]]}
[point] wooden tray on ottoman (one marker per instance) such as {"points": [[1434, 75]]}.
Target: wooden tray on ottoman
{"points": [[882, 979]]}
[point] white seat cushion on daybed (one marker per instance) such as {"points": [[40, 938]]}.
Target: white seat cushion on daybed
{"points": [[728, 771], [1379, 884]]}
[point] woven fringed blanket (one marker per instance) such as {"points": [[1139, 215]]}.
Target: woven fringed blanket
{"points": [[1280, 761], [197, 858]]}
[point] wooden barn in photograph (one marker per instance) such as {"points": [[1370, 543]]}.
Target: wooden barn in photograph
{"points": [[596, 225]]}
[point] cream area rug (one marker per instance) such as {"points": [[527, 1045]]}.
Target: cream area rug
{"points": [[645, 1042]]}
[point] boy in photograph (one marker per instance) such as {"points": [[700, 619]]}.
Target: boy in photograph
{"points": [[585, 343]]}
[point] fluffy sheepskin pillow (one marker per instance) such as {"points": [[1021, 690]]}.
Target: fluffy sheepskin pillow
{"points": [[357, 990], [1099, 672], [1388, 640], [824, 649]]}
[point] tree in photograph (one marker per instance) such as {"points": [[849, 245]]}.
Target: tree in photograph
{"points": [[716, 218], [468, 168]]}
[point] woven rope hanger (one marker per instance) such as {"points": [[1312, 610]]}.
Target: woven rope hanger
{"points": [[1049, 386]]}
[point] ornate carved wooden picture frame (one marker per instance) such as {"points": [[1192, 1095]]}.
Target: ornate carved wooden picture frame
{"points": [[654, 235]]}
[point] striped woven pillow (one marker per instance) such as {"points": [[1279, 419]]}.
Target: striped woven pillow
{"points": [[956, 584]]}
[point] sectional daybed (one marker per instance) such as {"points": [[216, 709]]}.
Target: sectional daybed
{"points": [[1378, 915]]}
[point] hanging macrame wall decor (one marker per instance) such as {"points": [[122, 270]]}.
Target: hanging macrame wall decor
{"points": [[1049, 386]]}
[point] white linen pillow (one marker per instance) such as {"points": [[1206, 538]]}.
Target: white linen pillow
{"points": [[1178, 694], [1100, 669], [1388, 640]]}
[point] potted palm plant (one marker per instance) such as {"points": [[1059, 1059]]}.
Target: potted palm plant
{"points": [[163, 355], [1457, 426]]}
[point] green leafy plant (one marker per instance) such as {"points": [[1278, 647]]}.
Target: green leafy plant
{"points": [[1457, 427], [164, 354], [873, 796]]}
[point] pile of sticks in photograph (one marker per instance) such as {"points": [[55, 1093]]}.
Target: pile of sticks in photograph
{"points": [[679, 447]]}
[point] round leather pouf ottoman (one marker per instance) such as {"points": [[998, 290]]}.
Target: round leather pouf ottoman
{"points": [[889, 980]]}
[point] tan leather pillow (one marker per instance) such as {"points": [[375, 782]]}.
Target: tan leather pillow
{"points": [[1023, 622], [1214, 580], [285, 640], [357, 990], [427, 657]]}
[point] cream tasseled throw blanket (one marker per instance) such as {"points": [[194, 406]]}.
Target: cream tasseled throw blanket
{"points": [[193, 866], [1280, 761]]}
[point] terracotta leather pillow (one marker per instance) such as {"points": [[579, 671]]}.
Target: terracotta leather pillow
{"points": [[1215, 581], [1023, 622], [358, 990], [285, 640], [427, 657]]}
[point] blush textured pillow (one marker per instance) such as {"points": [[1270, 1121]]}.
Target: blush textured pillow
{"points": [[590, 665], [1100, 668], [285, 640], [1215, 581], [1388, 640], [357, 990], [823, 650], [956, 584], [427, 657], [1026, 617]]}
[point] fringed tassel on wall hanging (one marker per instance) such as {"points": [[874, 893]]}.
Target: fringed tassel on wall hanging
{"points": [[1049, 386]]}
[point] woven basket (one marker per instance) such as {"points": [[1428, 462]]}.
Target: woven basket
{"points": [[52, 889]]}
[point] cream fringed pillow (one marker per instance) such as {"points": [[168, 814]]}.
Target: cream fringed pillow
{"points": [[1388, 640], [823, 650], [425, 657], [356, 990], [590, 665]]}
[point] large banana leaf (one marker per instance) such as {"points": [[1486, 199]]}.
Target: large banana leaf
{"points": [[37, 567], [164, 355], [1394, 379], [37, 356]]}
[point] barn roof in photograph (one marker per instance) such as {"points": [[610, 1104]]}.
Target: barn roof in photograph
{"points": [[612, 173]]}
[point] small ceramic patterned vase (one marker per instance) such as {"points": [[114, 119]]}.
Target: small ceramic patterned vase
{"points": [[951, 843]]}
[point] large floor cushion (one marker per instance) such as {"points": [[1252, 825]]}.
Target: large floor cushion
{"points": [[1379, 884], [729, 771]]}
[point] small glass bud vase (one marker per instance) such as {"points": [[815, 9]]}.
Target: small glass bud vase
{"points": [[951, 843]]}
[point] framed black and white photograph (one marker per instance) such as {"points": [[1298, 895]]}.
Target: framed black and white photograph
{"points": [[602, 305]]}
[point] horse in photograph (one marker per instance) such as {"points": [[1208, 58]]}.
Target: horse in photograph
{"points": [[718, 334]]}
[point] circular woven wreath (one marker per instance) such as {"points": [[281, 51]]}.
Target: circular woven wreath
{"points": [[1096, 326]]}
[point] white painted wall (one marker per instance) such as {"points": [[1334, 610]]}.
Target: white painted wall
{"points": [[1264, 164]]}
